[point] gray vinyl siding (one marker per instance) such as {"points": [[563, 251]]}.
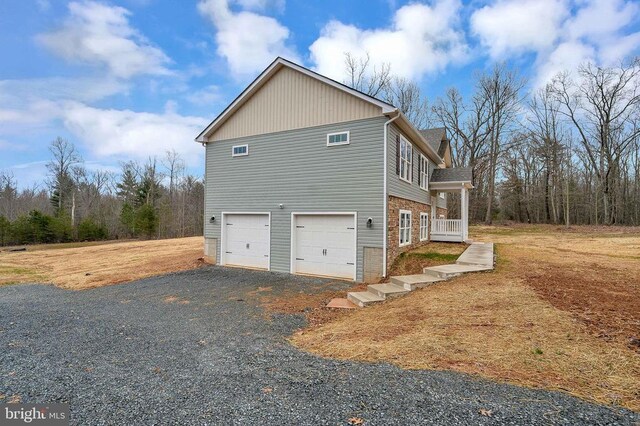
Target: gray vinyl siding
{"points": [[396, 186], [442, 203], [297, 169]]}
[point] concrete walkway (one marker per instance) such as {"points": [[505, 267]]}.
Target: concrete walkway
{"points": [[477, 257]]}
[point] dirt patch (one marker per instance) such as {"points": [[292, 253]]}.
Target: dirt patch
{"points": [[557, 313], [97, 265]]}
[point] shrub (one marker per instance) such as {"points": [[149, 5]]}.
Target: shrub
{"points": [[89, 230], [146, 220]]}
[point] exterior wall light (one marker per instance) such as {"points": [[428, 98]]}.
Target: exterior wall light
{"points": [[281, 206], [213, 219], [369, 222]]}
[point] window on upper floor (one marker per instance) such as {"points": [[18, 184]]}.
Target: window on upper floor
{"points": [[240, 150], [404, 228], [340, 138], [423, 173], [405, 160], [424, 226]]}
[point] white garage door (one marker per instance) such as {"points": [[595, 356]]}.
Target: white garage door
{"points": [[246, 240], [324, 245]]}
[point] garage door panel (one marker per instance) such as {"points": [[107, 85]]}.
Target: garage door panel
{"points": [[325, 245], [247, 240]]}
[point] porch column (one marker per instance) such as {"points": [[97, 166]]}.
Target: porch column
{"points": [[464, 213]]}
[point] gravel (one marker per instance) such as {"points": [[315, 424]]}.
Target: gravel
{"points": [[139, 354]]}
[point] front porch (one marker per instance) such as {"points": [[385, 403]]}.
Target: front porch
{"points": [[455, 180]]}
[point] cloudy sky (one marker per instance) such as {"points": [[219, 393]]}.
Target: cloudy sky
{"points": [[134, 78]]}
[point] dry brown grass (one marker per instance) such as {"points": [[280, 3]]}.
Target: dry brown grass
{"points": [[93, 265], [536, 321]]}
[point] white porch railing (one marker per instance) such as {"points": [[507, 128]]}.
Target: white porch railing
{"points": [[446, 230]]}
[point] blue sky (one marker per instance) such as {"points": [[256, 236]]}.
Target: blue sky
{"points": [[133, 78]]}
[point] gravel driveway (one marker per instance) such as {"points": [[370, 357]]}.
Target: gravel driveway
{"points": [[195, 348]]}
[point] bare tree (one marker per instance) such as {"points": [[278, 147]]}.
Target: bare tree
{"points": [[603, 107], [372, 80], [61, 182]]}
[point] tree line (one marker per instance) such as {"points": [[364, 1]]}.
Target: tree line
{"points": [[567, 152], [154, 199]]}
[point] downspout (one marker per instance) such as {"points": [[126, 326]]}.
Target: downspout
{"points": [[386, 197]]}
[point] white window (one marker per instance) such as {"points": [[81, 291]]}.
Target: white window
{"points": [[424, 173], [405, 227], [406, 160], [341, 138], [240, 150], [424, 226], [442, 195]]}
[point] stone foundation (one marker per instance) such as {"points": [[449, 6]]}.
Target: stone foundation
{"points": [[393, 244]]}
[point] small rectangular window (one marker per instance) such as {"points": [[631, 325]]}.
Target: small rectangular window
{"points": [[404, 228], [406, 160], [424, 226], [340, 138], [443, 196], [240, 150], [424, 173]]}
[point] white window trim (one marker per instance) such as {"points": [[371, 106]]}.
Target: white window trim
{"points": [[339, 143], [233, 149], [408, 242], [424, 215], [424, 172], [408, 163], [441, 195]]}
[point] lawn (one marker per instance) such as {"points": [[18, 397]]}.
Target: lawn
{"points": [[561, 311], [87, 265]]}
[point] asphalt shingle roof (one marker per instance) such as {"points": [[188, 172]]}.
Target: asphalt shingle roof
{"points": [[455, 174], [437, 138]]}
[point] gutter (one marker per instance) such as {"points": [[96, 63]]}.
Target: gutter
{"points": [[386, 195]]}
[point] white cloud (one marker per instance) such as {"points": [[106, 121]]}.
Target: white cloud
{"points": [[563, 34], [246, 40], [601, 18], [422, 39], [513, 26], [209, 95], [101, 35], [567, 56], [125, 133]]}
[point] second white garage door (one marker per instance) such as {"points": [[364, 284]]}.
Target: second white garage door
{"points": [[246, 240], [324, 245]]}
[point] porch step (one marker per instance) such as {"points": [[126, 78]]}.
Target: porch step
{"points": [[387, 290], [412, 282], [454, 270], [363, 298]]}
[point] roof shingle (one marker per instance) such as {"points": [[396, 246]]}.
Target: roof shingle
{"points": [[455, 174]]}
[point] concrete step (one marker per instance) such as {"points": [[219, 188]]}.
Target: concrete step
{"points": [[387, 290], [363, 298], [411, 282], [454, 270]]}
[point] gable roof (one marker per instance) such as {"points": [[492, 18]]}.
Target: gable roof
{"points": [[271, 70], [437, 138], [386, 108]]}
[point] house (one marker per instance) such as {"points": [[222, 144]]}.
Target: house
{"points": [[308, 176]]}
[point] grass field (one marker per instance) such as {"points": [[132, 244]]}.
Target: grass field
{"points": [[561, 311], [87, 265]]}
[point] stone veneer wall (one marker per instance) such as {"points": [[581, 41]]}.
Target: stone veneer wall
{"points": [[441, 211], [393, 245]]}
